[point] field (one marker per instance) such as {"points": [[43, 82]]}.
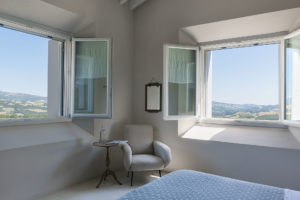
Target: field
{"points": [[245, 111], [17, 105]]}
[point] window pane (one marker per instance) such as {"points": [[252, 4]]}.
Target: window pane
{"points": [[245, 82], [292, 102], [23, 75], [91, 67], [182, 81]]}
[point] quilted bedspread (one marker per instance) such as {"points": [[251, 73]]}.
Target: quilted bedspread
{"points": [[190, 185]]}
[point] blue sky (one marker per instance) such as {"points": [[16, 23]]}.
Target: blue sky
{"points": [[246, 75], [23, 62]]}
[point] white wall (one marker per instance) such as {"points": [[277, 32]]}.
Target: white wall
{"points": [[158, 22], [112, 20], [33, 170], [40, 159]]}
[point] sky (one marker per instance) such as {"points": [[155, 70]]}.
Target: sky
{"points": [[23, 63], [246, 75]]}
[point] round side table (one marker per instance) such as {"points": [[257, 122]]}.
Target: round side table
{"points": [[107, 171]]}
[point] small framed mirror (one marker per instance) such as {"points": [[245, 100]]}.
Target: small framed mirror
{"points": [[153, 97]]}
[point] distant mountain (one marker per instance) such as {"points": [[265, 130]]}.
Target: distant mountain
{"points": [[20, 97], [18, 105], [245, 111]]}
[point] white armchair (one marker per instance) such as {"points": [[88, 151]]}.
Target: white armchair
{"points": [[142, 153]]}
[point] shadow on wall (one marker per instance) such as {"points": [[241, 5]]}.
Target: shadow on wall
{"points": [[86, 160], [86, 124], [41, 169]]}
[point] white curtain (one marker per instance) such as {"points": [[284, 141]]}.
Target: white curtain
{"points": [[91, 59], [182, 66]]}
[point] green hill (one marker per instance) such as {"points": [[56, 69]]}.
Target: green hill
{"points": [[245, 111], [18, 105]]}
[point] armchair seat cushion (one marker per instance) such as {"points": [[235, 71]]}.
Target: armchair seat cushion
{"points": [[146, 162]]}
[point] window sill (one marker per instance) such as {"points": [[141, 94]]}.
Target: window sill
{"points": [[256, 136], [295, 124], [24, 122], [251, 123]]}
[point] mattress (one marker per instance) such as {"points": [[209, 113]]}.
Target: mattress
{"points": [[190, 185]]}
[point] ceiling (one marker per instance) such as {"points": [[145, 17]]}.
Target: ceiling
{"points": [[261, 24], [41, 12], [133, 4], [50, 13]]}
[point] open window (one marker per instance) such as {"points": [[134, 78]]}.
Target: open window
{"points": [[292, 76], [251, 82], [242, 81], [31, 70], [180, 81], [91, 78]]}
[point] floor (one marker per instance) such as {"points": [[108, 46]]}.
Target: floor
{"points": [[109, 190]]}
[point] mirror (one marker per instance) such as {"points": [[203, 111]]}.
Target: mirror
{"points": [[153, 95]]}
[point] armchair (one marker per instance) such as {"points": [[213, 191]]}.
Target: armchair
{"points": [[142, 153]]}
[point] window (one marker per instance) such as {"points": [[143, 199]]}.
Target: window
{"points": [[28, 67], [254, 82], [292, 73], [181, 80], [92, 80], [46, 76], [244, 82]]}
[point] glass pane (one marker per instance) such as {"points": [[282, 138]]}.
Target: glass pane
{"points": [[182, 81], [23, 75], [245, 82], [292, 67], [91, 67]]}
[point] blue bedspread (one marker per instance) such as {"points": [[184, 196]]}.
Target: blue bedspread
{"points": [[188, 185]]}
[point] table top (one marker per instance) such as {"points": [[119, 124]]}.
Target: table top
{"points": [[106, 143]]}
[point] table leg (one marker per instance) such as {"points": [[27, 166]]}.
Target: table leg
{"points": [[115, 177], [101, 179], [107, 170]]}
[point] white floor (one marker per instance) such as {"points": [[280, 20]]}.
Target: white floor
{"points": [[109, 190]]}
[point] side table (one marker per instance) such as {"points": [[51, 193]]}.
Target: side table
{"points": [[107, 171]]}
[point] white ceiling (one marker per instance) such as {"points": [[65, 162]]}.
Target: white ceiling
{"points": [[133, 4], [48, 13], [267, 23], [41, 12]]}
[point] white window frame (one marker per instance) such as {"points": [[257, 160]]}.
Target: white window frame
{"points": [[206, 84], [43, 31], [295, 123], [108, 114], [166, 82]]}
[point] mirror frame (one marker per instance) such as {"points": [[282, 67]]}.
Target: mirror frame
{"points": [[160, 97]]}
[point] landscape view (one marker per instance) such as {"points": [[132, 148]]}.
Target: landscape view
{"points": [[245, 111], [17, 105]]}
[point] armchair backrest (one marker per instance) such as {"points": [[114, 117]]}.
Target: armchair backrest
{"points": [[140, 138]]}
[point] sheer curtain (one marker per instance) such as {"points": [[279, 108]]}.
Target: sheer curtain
{"points": [[182, 81], [91, 59], [91, 67], [182, 66]]}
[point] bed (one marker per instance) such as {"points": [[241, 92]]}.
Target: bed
{"points": [[190, 185]]}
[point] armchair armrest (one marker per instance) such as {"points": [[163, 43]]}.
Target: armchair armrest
{"points": [[127, 155], [163, 151]]}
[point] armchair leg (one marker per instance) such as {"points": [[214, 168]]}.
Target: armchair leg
{"points": [[159, 173], [128, 174], [131, 178]]}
